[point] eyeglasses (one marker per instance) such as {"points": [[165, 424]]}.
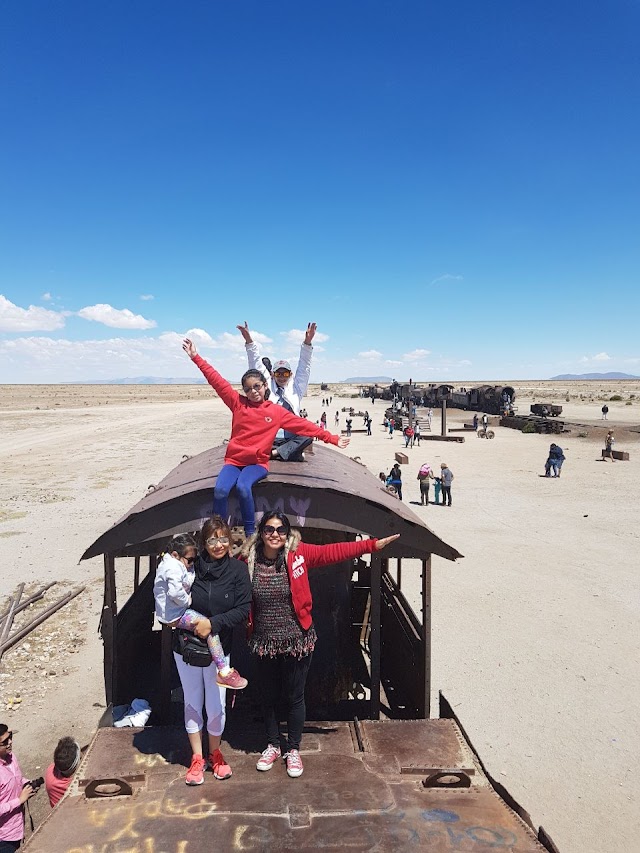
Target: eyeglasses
{"points": [[256, 387], [282, 373], [269, 529], [218, 540], [7, 739]]}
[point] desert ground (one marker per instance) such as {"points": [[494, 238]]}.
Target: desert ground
{"points": [[536, 636]]}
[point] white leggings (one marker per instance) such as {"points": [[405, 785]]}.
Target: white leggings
{"points": [[200, 688]]}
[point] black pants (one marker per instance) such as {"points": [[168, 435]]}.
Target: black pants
{"points": [[446, 495], [290, 447], [282, 681], [9, 846]]}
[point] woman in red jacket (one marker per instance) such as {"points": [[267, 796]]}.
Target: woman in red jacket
{"points": [[283, 636], [253, 428]]}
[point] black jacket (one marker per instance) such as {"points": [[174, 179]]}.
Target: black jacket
{"points": [[222, 591]]}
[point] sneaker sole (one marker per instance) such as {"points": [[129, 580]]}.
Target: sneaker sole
{"points": [[264, 769], [193, 784], [231, 686], [222, 778], [294, 774]]}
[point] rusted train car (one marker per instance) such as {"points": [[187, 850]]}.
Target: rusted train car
{"points": [[380, 773]]}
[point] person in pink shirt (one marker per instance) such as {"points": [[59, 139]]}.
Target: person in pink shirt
{"points": [[15, 790]]}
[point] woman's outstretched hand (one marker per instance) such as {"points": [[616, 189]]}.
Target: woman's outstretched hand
{"points": [[343, 441], [382, 543], [190, 348]]}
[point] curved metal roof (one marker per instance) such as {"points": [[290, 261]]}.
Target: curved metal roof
{"points": [[328, 491]]}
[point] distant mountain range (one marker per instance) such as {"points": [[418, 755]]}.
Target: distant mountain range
{"points": [[142, 380], [364, 379], [613, 375]]}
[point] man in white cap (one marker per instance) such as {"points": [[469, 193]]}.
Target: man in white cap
{"points": [[286, 389]]}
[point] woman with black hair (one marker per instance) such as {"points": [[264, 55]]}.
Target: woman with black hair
{"points": [[282, 633], [253, 428]]}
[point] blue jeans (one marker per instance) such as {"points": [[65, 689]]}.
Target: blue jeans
{"points": [[243, 479]]}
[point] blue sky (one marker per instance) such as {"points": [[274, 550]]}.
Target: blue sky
{"points": [[450, 190]]}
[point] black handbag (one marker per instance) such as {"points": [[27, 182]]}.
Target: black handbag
{"points": [[194, 651]]}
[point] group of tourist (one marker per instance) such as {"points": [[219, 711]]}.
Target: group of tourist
{"points": [[204, 592]]}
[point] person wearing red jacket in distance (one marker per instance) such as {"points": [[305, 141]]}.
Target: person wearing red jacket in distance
{"points": [[253, 427], [282, 633]]}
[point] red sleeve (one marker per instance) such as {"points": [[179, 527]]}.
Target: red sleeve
{"points": [[336, 552], [301, 426], [228, 395]]}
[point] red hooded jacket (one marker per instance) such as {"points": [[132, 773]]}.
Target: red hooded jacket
{"points": [[254, 426], [301, 557]]}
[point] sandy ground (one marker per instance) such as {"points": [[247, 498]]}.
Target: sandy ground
{"points": [[535, 632]]}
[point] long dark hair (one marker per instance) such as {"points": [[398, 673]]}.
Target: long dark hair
{"points": [[282, 518]]}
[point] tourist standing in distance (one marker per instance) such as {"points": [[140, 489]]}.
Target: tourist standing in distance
{"points": [[605, 412], [446, 475], [286, 389]]}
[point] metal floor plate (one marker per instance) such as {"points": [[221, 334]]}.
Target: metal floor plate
{"points": [[349, 799]]}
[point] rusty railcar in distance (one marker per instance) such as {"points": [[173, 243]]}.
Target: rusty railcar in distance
{"points": [[380, 773]]}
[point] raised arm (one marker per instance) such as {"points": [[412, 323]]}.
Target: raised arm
{"points": [[227, 394], [303, 370], [301, 426], [253, 352], [336, 552]]}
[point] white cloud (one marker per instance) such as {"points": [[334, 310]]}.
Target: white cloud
{"points": [[294, 337], [31, 319], [392, 363], [147, 297], [417, 354], [447, 277], [115, 318], [370, 355], [46, 297], [602, 356]]}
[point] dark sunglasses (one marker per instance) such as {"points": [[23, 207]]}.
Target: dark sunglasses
{"points": [[256, 387], [190, 560], [8, 737], [282, 373], [269, 529]]}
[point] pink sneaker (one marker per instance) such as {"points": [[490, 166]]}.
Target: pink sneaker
{"points": [[294, 763], [195, 773], [221, 769], [233, 680], [268, 757]]}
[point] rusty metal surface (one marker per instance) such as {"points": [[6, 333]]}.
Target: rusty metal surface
{"points": [[418, 748], [345, 799], [328, 490]]}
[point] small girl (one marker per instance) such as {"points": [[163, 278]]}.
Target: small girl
{"points": [[172, 591], [255, 422]]}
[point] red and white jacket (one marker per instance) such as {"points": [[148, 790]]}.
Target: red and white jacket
{"points": [[300, 558], [254, 425]]}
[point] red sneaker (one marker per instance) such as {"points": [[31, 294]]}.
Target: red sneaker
{"points": [[221, 769], [233, 680], [195, 773]]}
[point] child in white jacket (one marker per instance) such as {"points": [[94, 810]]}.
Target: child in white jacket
{"points": [[172, 592]]}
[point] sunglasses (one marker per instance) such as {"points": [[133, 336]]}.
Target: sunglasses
{"points": [[7, 738], [218, 540], [282, 373], [189, 560], [269, 529], [256, 387]]}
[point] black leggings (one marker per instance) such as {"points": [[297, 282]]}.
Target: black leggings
{"points": [[9, 846], [282, 681], [446, 495]]}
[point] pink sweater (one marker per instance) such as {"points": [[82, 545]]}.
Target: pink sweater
{"points": [[11, 810]]}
